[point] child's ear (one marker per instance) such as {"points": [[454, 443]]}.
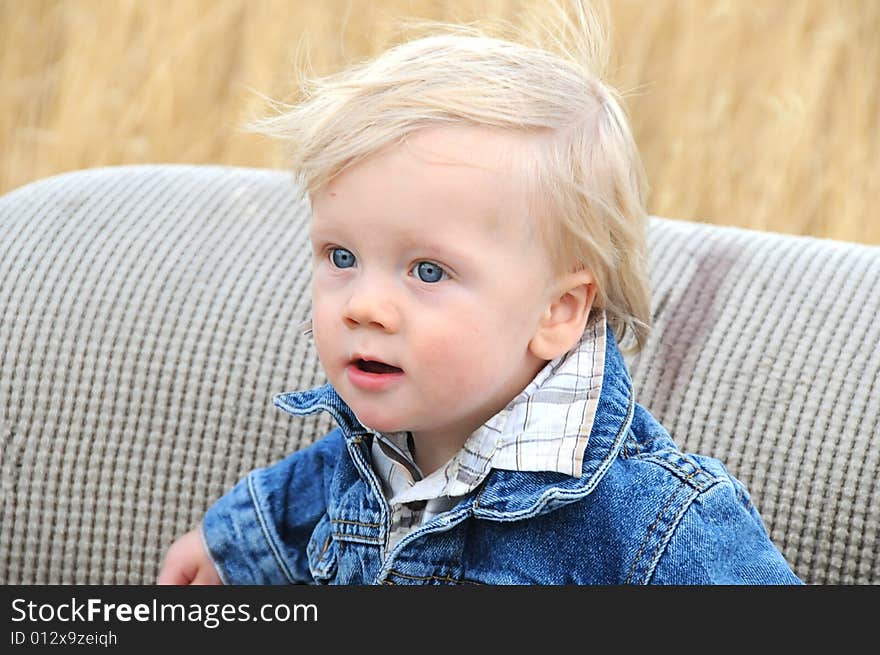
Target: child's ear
{"points": [[565, 318]]}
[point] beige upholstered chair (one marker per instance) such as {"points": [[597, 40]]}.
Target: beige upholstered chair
{"points": [[149, 314]]}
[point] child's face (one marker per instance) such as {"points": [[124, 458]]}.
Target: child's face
{"points": [[426, 259]]}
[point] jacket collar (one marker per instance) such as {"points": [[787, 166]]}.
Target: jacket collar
{"points": [[510, 494]]}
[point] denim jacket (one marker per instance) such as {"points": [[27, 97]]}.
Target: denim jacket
{"points": [[641, 512]]}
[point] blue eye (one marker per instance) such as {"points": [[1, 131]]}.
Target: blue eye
{"points": [[342, 258], [429, 272]]}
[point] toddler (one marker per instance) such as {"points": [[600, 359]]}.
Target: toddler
{"points": [[478, 238]]}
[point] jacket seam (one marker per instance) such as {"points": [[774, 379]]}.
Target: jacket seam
{"points": [[356, 538], [692, 478], [665, 539], [261, 519], [372, 482], [662, 543], [632, 447], [459, 582], [221, 572], [361, 523], [325, 547], [407, 576], [672, 497]]}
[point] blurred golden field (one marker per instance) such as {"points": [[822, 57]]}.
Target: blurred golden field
{"points": [[758, 113]]}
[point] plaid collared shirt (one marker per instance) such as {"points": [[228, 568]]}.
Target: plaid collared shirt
{"points": [[544, 428]]}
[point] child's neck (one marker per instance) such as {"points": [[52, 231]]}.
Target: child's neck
{"points": [[433, 448]]}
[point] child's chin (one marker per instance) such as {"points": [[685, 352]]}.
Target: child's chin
{"points": [[379, 426], [379, 422]]}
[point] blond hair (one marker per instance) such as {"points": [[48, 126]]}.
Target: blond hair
{"points": [[586, 174]]}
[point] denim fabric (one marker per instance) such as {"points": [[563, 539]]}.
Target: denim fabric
{"points": [[641, 512]]}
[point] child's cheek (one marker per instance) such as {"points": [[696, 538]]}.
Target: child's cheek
{"points": [[324, 332], [455, 357]]}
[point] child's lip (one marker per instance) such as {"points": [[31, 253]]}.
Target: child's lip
{"points": [[369, 381]]}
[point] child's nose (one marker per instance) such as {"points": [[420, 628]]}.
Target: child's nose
{"points": [[371, 310]]}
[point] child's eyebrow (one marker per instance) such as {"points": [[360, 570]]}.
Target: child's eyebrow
{"points": [[443, 253]]}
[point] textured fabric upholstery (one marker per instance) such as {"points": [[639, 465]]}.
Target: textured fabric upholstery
{"points": [[765, 355], [148, 314]]}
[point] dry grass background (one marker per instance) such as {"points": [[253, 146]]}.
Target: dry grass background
{"points": [[759, 113]]}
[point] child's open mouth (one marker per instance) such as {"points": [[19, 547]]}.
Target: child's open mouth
{"points": [[370, 375], [376, 367]]}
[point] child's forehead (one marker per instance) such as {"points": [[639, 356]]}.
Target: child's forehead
{"points": [[466, 168]]}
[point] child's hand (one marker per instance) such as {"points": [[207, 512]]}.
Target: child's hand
{"points": [[187, 563]]}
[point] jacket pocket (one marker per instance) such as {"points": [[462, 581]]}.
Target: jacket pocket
{"points": [[322, 551]]}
